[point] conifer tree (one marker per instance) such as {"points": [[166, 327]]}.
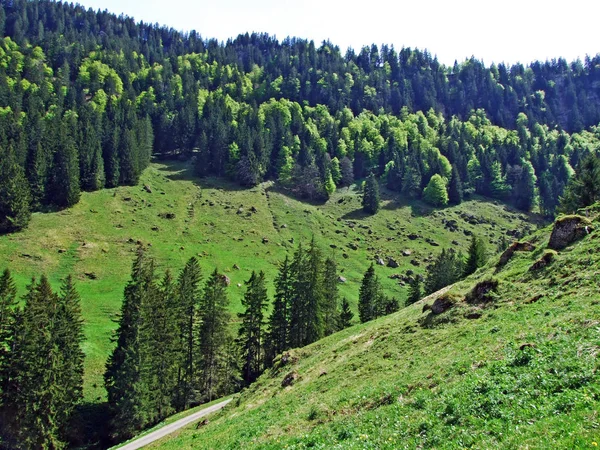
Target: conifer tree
{"points": [[414, 291], [369, 298], [330, 298], [371, 200], [297, 311], [43, 379], [15, 197], [455, 188], [69, 337], [314, 295], [8, 304], [158, 352], [346, 315], [448, 268], [278, 336], [188, 293], [250, 334], [584, 188], [476, 256], [127, 393], [64, 190], [213, 334]]}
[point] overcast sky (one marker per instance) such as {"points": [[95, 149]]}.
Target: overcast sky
{"points": [[500, 31]]}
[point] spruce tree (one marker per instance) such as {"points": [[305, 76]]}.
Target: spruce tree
{"points": [[250, 334], [369, 298], [158, 339], [64, 190], [314, 294], [476, 256], [346, 315], [455, 188], [371, 200], [278, 335], [188, 293], [213, 335], [69, 337], [14, 194], [584, 188], [8, 304], [447, 269], [127, 393], [43, 380], [297, 311], [414, 291], [330, 298]]}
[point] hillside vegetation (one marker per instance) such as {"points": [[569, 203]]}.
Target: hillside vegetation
{"points": [[513, 364], [212, 219]]}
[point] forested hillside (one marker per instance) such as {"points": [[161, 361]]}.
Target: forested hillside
{"points": [[86, 97]]}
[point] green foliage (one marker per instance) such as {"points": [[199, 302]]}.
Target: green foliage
{"points": [[435, 193], [584, 188], [447, 269], [476, 256], [371, 199], [214, 337], [14, 194], [414, 291], [346, 315], [370, 296], [42, 374], [251, 331]]}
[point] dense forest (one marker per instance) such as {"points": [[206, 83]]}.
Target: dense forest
{"points": [[87, 97]]}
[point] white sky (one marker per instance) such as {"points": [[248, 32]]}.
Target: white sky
{"points": [[501, 31]]}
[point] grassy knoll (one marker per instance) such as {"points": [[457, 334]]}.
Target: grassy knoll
{"points": [[183, 216], [514, 368]]}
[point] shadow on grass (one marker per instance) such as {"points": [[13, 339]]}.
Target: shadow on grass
{"points": [[357, 214], [176, 170], [89, 428]]}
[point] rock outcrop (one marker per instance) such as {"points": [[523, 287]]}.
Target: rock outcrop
{"points": [[567, 230]]}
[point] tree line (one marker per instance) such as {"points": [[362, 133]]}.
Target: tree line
{"points": [[86, 97]]}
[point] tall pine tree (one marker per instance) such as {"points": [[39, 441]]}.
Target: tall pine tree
{"points": [[251, 339]]}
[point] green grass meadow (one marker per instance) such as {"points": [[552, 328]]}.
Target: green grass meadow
{"points": [[519, 371], [226, 226]]}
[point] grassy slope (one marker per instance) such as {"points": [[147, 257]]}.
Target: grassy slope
{"points": [[98, 236], [456, 383]]}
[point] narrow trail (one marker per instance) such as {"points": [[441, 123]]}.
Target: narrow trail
{"points": [[171, 428]]}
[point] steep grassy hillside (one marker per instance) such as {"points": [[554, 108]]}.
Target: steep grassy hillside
{"points": [[514, 368], [227, 226]]}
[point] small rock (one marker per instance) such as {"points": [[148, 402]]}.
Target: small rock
{"points": [[265, 240], [406, 252], [345, 255], [289, 379], [380, 262], [239, 285], [413, 236], [91, 275], [284, 226], [236, 267], [393, 263], [253, 209], [240, 210], [440, 305], [62, 250], [341, 279], [148, 189], [353, 246]]}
